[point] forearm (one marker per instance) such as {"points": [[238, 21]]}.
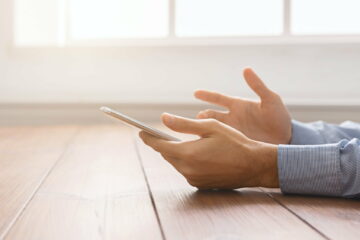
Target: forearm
{"points": [[329, 169]]}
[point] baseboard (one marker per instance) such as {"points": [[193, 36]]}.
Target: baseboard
{"points": [[54, 114]]}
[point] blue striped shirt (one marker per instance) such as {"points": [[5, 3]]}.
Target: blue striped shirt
{"points": [[322, 159]]}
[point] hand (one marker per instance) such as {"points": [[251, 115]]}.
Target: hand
{"points": [[222, 158], [266, 121]]}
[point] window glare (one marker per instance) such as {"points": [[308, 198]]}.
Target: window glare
{"points": [[229, 17], [95, 19], [66, 22], [325, 16], [36, 22]]}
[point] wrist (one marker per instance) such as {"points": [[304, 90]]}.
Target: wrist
{"points": [[267, 163]]}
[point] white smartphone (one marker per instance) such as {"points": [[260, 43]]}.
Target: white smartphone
{"points": [[132, 122]]}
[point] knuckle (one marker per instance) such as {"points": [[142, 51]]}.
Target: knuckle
{"points": [[212, 123], [209, 112], [275, 95]]}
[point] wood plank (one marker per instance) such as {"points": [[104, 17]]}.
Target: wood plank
{"points": [[186, 213], [27, 154], [96, 191], [334, 217]]}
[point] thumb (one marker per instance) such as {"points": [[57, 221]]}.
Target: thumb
{"points": [[186, 125], [256, 84]]}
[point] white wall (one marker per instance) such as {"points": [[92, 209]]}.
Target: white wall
{"points": [[322, 72], [3, 32], [305, 73]]}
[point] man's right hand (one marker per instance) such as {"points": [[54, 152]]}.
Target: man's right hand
{"points": [[267, 121]]}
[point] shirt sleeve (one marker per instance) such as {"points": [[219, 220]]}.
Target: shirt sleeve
{"points": [[322, 159], [323, 133], [327, 169]]}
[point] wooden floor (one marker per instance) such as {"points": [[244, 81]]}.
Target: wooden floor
{"points": [[101, 182]]}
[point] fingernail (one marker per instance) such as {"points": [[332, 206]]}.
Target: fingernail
{"points": [[168, 118]]}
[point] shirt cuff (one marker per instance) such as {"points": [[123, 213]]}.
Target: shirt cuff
{"points": [[311, 169], [305, 134]]}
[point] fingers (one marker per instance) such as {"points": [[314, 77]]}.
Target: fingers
{"points": [[214, 97], [187, 125], [160, 145], [256, 84], [169, 151], [209, 113]]}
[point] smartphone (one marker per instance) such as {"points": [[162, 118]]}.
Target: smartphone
{"points": [[133, 122]]}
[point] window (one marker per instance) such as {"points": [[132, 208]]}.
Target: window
{"points": [[195, 18], [67, 22], [37, 22], [325, 17], [118, 19]]}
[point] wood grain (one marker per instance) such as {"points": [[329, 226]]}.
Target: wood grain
{"points": [[334, 217], [186, 213], [96, 191], [27, 154], [69, 182]]}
